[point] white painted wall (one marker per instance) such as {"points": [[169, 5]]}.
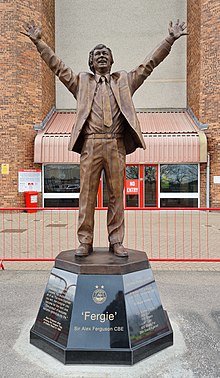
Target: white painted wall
{"points": [[131, 28]]}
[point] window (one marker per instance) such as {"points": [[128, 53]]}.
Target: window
{"points": [[179, 185], [150, 194], [179, 178], [61, 185], [105, 191], [179, 202], [61, 178]]}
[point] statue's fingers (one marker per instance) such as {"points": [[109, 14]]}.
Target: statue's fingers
{"points": [[184, 27], [182, 24], [26, 26], [29, 25], [177, 21], [171, 24], [32, 23]]}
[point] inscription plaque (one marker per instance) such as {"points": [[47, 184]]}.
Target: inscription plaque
{"points": [[54, 316], [146, 317]]}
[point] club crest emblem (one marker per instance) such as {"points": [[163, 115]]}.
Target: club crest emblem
{"points": [[99, 295]]}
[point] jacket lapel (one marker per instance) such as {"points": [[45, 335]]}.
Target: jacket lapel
{"points": [[115, 90]]}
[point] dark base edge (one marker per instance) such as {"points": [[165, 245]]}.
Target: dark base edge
{"points": [[155, 346], [100, 357]]}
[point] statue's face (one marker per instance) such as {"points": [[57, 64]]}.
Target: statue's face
{"points": [[102, 61]]}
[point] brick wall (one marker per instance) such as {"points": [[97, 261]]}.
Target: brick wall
{"points": [[203, 184], [193, 54], [28, 90], [203, 80]]}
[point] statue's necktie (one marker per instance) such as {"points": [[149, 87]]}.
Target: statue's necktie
{"points": [[106, 106]]}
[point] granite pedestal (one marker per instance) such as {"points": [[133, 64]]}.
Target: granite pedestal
{"points": [[101, 309]]}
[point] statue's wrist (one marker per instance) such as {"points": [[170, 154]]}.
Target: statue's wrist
{"points": [[170, 39], [36, 41]]}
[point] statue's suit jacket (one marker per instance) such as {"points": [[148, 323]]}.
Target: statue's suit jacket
{"points": [[123, 85]]}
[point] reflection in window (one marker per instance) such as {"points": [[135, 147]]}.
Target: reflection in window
{"points": [[179, 178], [61, 202], [179, 202], [105, 191], [132, 172], [150, 186], [61, 178]]}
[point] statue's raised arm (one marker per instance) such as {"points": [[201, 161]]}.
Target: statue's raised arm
{"points": [[65, 74], [139, 74]]}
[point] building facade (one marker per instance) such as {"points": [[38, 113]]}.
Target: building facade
{"points": [[178, 108]]}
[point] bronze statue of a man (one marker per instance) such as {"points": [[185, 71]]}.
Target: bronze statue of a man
{"points": [[106, 128]]}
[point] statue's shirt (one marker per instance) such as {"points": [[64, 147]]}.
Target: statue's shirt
{"points": [[94, 123]]}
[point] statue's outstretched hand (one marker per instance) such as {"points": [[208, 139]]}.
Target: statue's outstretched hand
{"points": [[177, 30], [32, 31]]}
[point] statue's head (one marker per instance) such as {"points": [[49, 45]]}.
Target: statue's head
{"points": [[100, 59]]}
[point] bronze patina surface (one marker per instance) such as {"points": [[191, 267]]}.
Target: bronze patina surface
{"points": [[106, 128], [101, 261]]}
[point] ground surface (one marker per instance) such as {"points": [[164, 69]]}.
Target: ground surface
{"points": [[189, 293]]}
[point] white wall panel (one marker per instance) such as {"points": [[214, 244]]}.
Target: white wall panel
{"points": [[131, 29]]}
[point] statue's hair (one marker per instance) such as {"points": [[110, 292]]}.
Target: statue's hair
{"points": [[98, 47]]}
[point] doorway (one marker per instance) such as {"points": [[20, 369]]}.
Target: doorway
{"points": [[141, 187]]}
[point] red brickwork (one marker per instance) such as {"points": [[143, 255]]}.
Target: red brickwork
{"points": [[28, 90], [28, 87], [203, 185], [203, 80], [193, 54]]}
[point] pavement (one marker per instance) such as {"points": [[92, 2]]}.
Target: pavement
{"points": [[189, 290], [189, 293]]}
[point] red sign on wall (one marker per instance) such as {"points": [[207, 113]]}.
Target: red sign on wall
{"points": [[132, 187]]}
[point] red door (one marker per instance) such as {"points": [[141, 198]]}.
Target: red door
{"points": [[140, 187]]}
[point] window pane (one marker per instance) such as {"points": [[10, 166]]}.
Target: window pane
{"points": [[105, 191], [61, 202], [132, 201], [182, 178], [132, 172], [149, 186], [179, 202], [61, 178]]}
